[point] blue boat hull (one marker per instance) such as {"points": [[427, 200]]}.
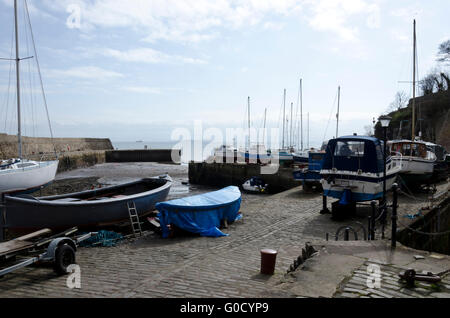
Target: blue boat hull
{"points": [[97, 207]]}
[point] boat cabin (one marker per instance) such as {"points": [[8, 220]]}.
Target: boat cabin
{"points": [[408, 148], [354, 153]]}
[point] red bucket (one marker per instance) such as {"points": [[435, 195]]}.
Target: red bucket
{"points": [[268, 260]]}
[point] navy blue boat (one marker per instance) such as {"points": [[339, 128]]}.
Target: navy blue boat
{"points": [[104, 206], [352, 169], [201, 214], [310, 176]]}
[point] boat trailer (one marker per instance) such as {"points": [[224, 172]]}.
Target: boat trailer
{"points": [[36, 247]]}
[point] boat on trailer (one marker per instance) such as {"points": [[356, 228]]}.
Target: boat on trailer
{"points": [[98, 207], [202, 214], [353, 169]]}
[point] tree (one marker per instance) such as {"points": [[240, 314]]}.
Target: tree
{"points": [[435, 81], [444, 52], [400, 101]]}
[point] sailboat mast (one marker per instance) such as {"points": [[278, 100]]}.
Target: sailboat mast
{"points": [[290, 137], [19, 128], [264, 130], [308, 131], [337, 115], [284, 116], [413, 134], [301, 116], [249, 124]]}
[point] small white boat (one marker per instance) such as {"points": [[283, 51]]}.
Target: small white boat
{"points": [[415, 160], [19, 176], [255, 185]]}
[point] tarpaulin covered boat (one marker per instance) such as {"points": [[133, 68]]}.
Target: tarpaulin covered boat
{"points": [[97, 207], [202, 214]]}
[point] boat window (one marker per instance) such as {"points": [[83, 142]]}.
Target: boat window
{"points": [[316, 157], [349, 148], [24, 165], [406, 149]]}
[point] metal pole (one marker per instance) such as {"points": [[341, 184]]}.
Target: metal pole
{"points": [[324, 205], [290, 137], [301, 115], [19, 128], [394, 216], [284, 116], [347, 234], [249, 140], [413, 124], [384, 172], [369, 228], [337, 115]]}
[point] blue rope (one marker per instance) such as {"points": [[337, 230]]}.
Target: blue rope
{"points": [[103, 238]]}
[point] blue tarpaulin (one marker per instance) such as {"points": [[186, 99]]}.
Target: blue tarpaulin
{"points": [[201, 214]]}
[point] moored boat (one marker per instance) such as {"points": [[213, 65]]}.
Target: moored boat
{"points": [[414, 159], [98, 207], [310, 175], [22, 175], [353, 169]]}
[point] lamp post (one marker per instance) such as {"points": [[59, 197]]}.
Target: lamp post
{"points": [[385, 121]]}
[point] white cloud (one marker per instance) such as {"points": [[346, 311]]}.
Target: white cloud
{"points": [[84, 72], [334, 16], [148, 55], [143, 89]]}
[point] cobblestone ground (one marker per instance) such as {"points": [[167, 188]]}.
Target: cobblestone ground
{"points": [[390, 285], [189, 266]]}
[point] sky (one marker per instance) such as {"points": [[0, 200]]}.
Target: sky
{"points": [[138, 70]]}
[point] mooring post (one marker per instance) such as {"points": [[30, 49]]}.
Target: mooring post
{"points": [[324, 205], [394, 216], [373, 219]]}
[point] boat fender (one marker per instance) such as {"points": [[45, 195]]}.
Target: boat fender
{"points": [[51, 250]]}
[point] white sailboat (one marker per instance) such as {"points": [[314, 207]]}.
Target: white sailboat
{"points": [[415, 160], [20, 175]]}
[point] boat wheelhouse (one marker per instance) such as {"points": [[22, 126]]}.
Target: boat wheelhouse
{"points": [[353, 169]]}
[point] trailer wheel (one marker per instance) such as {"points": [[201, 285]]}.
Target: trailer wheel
{"points": [[64, 256]]}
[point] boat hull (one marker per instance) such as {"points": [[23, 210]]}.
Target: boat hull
{"points": [[26, 180], [28, 213], [363, 187], [414, 171]]}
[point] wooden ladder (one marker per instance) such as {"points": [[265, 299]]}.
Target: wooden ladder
{"points": [[134, 219]]}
